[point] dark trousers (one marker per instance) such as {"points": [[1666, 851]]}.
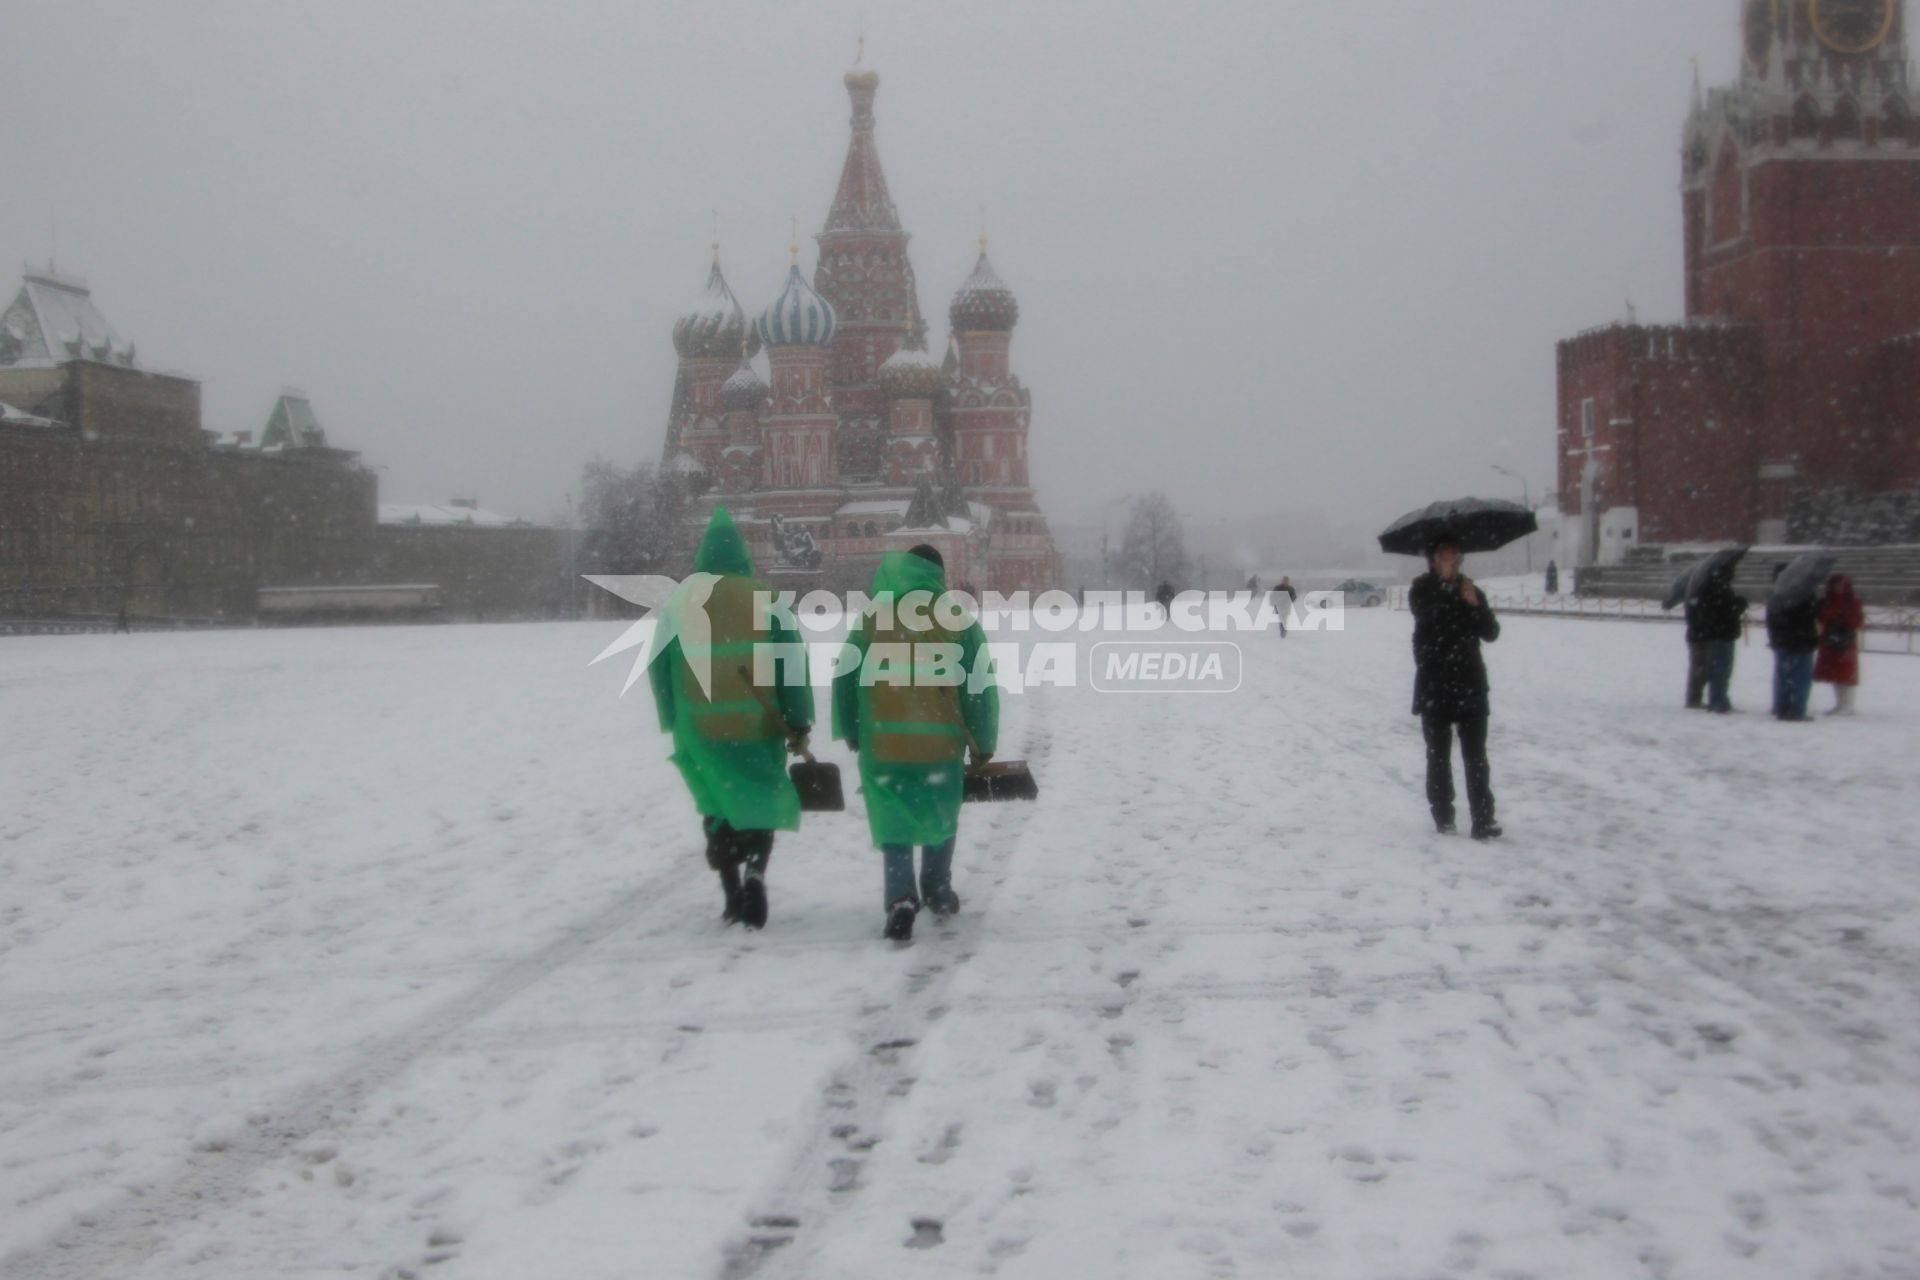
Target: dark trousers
{"points": [[1439, 731], [1792, 682], [1719, 673], [728, 850], [1699, 663]]}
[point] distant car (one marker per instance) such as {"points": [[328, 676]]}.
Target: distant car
{"points": [[1364, 594]]}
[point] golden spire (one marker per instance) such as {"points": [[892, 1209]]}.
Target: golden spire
{"points": [[983, 231], [716, 237], [793, 245]]}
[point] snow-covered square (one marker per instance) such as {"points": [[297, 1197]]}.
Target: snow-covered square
{"points": [[393, 952]]}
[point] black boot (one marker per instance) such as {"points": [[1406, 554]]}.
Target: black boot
{"points": [[1488, 830], [900, 920], [1443, 822], [730, 886], [753, 900]]}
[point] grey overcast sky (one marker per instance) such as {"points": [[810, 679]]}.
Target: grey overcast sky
{"points": [[1280, 255]]}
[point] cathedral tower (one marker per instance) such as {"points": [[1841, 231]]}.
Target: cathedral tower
{"points": [[800, 445], [864, 272], [989, 408]]}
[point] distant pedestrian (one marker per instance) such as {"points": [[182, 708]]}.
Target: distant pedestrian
{"points": [[1284, 597], [1553, 578], [731, 737], [120, 625], [1841, 620], [1164, 595], [1714, 620], [1451, 620], [1793, 633]]}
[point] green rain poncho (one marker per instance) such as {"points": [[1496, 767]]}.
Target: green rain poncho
{"points": [[913, 740], [729, 749]]}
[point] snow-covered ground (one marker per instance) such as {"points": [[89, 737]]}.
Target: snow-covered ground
{"points": [[393, 952]]}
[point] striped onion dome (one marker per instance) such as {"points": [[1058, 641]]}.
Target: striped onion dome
{"points": [[910, 375], [799, 317], [983, 302], [743, 390], [714, 326]]}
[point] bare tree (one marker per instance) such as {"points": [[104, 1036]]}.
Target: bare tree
{"points": [[633, 521], [1154, 548]]}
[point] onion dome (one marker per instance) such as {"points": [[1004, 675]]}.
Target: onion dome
{"points": [[910, 375], [984, 302], [799, 317], [862, 77], [743, 390], [714, 326]]}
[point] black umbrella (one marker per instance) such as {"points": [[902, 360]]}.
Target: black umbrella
{"points": [[1476, 524], [1802, 579], [1695, 577]]}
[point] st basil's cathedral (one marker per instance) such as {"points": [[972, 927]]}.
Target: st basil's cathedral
{"points": [[856, 440]]}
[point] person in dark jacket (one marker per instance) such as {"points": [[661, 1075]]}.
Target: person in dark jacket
{"points": [[1699, 655], [1553, 578], [1284, 606], [1793, 633], [1714, 619], [1451, 619]]}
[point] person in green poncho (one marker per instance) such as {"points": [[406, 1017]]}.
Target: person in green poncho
{"points": [[731, 735], [917, 702]]}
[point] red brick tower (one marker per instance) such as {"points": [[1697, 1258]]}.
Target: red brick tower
{"points": [[864, 271], [911, 378], [989, 408], [1802, 203], [1793, 380], [800, 428], [987, 412], [710, 338]]}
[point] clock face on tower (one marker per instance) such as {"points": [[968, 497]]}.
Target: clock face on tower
{"points": [[1853, 26], [1760, 22]]}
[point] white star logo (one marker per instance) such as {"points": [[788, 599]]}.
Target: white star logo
{"points": [[673, 609]]}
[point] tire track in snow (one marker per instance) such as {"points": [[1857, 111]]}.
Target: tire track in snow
{"points": [[823, 1176], [113, 1239]]}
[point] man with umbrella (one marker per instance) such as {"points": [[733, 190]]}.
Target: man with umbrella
{"points": [[1715, 616], [1793, 631], [1451, 620]]}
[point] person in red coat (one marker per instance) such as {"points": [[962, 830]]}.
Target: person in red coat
{"points": [[1838, 663]]}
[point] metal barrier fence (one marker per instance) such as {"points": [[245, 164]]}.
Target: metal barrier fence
{"points": [[1890, 629]]}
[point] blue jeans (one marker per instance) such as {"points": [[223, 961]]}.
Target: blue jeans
{"points": [[1719, 672], [1792, 683], [936, 871]]}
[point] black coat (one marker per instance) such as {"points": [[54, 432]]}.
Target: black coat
{"points": [[1715, 614], [1450, 679], [1795, 630]]}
